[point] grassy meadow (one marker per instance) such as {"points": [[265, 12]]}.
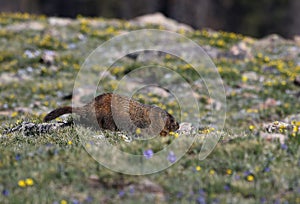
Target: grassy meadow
{"points": [[39, 61]]}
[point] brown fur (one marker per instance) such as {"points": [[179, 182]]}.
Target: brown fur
{"points": [[115, 112]]}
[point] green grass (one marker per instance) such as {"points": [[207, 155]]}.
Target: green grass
{"points": [[243, 168]]}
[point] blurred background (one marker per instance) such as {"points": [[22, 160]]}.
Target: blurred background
{"points": [[254, 18]]}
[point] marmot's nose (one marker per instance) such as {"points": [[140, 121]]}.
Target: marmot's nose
{"points": [[176, 126]]}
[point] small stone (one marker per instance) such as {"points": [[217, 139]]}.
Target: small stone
{"points": [[59, 21], [32, 25], [48, 57], [252, 76], [273, 136], [149, 186], [160, 19]]}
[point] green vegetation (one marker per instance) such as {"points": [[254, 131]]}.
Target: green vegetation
{"points": [[39, 64]]}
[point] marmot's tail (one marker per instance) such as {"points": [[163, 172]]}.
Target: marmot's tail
{"points": [[57, 112]]}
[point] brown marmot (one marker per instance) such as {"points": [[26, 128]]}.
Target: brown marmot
{"points": [[118, 113]]}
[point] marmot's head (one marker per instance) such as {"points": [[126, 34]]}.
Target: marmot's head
{"points": [[157, 121], [171, 124]]}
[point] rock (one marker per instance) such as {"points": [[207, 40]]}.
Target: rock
{"points": [[273, 136], [271, 70], [240, 51], [160, 19], [270, 102], [186, 128], [297, 39], [31, 25], [94, 177], [213, 52], [148, 56], [5, 113], [276, 46], [250, 76], [32, 53], [53, 68], [160, 92], [270, 40], [94, 181], [277, 126], [29, 128], [146, 185], [290, 118], [6, 78], [48, 57], [23, 110], [59, 21]]}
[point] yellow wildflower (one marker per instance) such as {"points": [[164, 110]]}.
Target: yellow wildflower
{"points": [[198, 168], [229, 171], [176, 135], [260, 55], [110, 30], [14, 114], [295, 128], [22, 183], [138, 131], [297, 123], [29, 182], [63, 202], [244, 78], [88, 146], [220, 43], [266, 59], [168, 56], [250, 178], [251, 127], [212, 172]]}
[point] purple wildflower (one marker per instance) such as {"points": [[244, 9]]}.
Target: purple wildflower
{"points": [[227, 187], [148, 153], [18, 157], [201, 200], [89, 199], [75, 201], [201, 192], [267, 169], [284, 146], [215, 201], [263, 200], [247, 173], [5, 192], [179, 194], [121, 193], [172, 157], [277, 201], [131, 190]]}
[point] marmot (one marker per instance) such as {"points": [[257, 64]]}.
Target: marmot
{"points": [[118, 113]]}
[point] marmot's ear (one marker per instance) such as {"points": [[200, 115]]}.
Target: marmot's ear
{"points": [[155, 110], [157, 115], [163, 114]]}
